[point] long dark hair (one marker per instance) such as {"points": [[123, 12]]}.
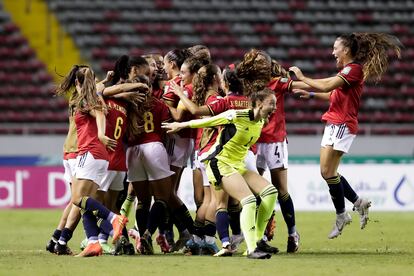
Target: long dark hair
{"points": [[178, 56], [123, 66], [232, 81], [136, 110]]}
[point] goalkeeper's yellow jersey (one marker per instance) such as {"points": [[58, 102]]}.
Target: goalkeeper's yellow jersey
{"points": [[239, 132]]}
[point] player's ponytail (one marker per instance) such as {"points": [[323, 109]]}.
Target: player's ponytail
{"points": [[87, 98], [202, 81], [232, 81], [254, 71], [68, 82]]}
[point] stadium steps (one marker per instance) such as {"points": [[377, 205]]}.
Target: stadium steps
{"points": [[55, 47]]}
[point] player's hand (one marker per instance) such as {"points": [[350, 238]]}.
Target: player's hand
{"points": [[297, 72], [177, 89], [172, 127], [109, 76], [302, 94], [108, 142], [136, 97]]}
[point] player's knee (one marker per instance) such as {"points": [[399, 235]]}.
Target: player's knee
{"points": [[326, 173]]}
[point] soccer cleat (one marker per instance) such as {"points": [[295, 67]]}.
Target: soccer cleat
{"points": [[270, 228], [50, 246], [293, 243], [129, 249], [123, 247], [84, 244], [209, 248], [107, 249], [265, 247], [257, 254], [185, 236], [134, 234], [146, 245], [62, 249], [192, 248], [235, 242], [118, 224], [340, 222], [93, 249], [224, 252], [162, 242], [361, 206]]}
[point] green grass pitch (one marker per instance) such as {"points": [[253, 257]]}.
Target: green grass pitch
{"points": [[385, 247]]}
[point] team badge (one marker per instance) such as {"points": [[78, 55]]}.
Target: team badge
{"points": [[346, 70]]}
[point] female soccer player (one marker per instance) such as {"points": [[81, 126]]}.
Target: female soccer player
{"points": [[206, 84], [360, 57], [257, 71], [179, 146], [226, 210], [226, 168], [92, 162]]}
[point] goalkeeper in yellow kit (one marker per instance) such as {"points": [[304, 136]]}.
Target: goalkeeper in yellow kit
{"points": [[226, 169]]}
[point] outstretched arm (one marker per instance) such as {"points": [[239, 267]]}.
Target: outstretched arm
{"points": [[303, 94], [123, 87], [188, 104], [322, 85], [221, 119]]}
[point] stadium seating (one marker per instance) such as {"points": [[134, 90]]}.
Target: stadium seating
{"points": [[295, 32], [27, 104]]}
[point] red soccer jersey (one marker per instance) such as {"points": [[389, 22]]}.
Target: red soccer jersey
{"points": [[275, 130], [69, 155], [187, 116], [152, 131], [345, 100], [209, 135], [169, 95], [116, 125], [87, 133], [157, 93], [231, 101]]}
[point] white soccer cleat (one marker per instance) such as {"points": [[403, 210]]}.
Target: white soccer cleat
{"points": [[361, 206], [340, 222]]}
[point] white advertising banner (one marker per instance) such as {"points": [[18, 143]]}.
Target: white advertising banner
{"points": [[390, 187]]}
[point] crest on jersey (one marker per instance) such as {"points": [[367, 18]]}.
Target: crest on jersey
{"points": [[284, 80], [346, 70]]}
